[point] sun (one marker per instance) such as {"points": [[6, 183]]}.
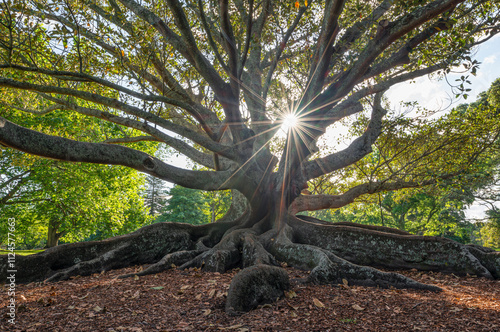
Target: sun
{"points": [[290, 121]]}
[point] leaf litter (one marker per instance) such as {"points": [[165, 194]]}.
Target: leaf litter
{"points": [[102, 302]]}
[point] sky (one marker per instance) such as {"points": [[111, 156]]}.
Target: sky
{"points": [[436, 95]]}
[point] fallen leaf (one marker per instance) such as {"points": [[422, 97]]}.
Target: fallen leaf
{"points": [[186, 287], [357, 307], [207, 312], [157, 288], [290, 294], [136, 277], [198, 297], [97, 308], [136, 295], [345, 282], [318, 303], [234, 327], [211, 293]]}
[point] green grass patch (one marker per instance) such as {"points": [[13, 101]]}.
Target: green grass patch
{"points": [[21, 252], [348, 320]]}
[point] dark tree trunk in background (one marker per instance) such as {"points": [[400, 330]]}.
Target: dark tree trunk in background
{"points": [[53, 234]]}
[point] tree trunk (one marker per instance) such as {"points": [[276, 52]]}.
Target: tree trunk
{"points": [[266, 234], [53, 235]]}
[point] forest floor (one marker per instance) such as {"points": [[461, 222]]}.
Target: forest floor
{"points": [[194, 301]]}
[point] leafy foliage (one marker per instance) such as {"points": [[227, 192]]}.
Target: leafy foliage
{"points": [[74, 201]]}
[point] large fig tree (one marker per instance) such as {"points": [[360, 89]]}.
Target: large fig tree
{"points": [[215, 80]]}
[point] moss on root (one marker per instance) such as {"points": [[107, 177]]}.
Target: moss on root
{"points": [[332, 252]]}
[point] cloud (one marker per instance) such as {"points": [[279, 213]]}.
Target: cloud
{"points": [[490, 59]]}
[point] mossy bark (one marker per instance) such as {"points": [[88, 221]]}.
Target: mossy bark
{"points": [[332, 252]]}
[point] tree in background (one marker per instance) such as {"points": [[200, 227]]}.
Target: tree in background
{"points": [[438, 209], [215, 81], [52, 200], [194, 206], [490, 232], [218, 203], [184, 205], [155, 195]]}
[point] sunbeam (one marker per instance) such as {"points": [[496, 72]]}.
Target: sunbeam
{"points": [[290, 121]]}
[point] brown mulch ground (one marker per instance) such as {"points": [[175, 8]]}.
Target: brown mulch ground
{"points": [[193, 301]]}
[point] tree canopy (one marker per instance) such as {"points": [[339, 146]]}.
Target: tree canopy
{"points": [[224, 76]]}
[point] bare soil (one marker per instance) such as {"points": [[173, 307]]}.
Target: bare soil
{"points": [[191, 300]]}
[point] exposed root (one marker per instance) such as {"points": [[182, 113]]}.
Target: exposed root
{"points": [[167, 262], [144, 246], [327, 268], [488, 257], [107, 261], [238, 248], [393, 251], [352, 224]]}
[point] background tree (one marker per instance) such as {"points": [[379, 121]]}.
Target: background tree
{"points": [[155, 195], [218, 204], [184, 205], [215, 80], [52, 200]]}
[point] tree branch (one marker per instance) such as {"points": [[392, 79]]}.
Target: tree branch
{"points": [[280, 50], [324, 50], [359, 148], [132, 110], [131, 139], [319, 202], [177, 144], [59, 148], [389, 33]]}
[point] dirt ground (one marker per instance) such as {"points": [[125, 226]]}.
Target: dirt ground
{"points": [[194, 301]]}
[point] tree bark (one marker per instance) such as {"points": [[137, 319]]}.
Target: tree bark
{"points": [[332, 252], [53, 234]]}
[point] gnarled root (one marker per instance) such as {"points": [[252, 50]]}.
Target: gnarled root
{"points": [[328, 268], [393, 251], [144, 246], [239, 248], [167, 262], [334, 253]]}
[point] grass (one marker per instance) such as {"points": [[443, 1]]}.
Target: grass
{"points": [[21, 252]]}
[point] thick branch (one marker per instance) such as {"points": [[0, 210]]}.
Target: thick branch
{"points": [[36, 143], [319, 202], [359, 148], [324, 50], [158, 135], [116, 104], [131, 139], [229, 43]]}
